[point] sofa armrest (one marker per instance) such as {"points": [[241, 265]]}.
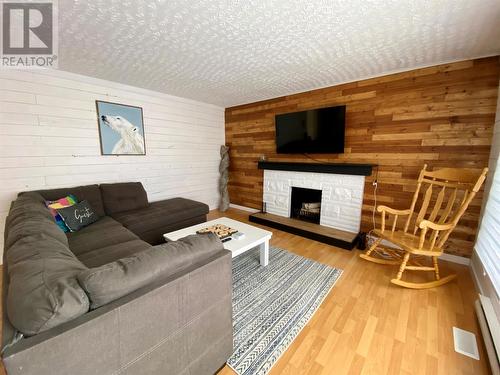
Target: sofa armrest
{"points": [[178, 323]]}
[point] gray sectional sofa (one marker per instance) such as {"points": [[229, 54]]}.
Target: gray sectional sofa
{"points": [[113, 298]]}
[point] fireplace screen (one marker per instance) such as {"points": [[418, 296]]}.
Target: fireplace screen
{"points": [[306, 204]]}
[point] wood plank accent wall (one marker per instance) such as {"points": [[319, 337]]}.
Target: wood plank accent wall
{"points": [[441, 115]]}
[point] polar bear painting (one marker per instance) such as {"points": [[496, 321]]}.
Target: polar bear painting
{"points": [[121, 129], [131, 141]]}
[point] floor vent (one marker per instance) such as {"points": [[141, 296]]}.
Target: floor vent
{"points": [[465, 343]]}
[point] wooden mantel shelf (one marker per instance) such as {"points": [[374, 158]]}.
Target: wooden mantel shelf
{"points": [[334, 168]]}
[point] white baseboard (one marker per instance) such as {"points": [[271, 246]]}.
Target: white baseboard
{"points": [[243, 208], [455, 259], [475, 278], [487, 311], [484, 283]]}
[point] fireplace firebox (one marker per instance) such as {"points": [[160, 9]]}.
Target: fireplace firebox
{"points": [[306, 204]]}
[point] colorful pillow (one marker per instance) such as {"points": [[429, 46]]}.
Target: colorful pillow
{"points": [[68, 201]]}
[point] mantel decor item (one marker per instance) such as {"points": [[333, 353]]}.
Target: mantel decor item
{"points": [[224, 177], [121, 129]]}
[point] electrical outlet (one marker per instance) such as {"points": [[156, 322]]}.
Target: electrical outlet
{"points": [[375, 183]]}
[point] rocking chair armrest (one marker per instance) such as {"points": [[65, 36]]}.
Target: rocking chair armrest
{"points": [[393, 211], [426, 224]]}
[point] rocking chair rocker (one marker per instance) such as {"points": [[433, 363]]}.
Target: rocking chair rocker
{"points": [[453, 190]]}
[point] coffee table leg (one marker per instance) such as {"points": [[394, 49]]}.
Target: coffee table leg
{"points": [[264, 253]]}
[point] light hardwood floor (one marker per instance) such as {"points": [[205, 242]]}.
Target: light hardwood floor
{"points": [[368, 326]]}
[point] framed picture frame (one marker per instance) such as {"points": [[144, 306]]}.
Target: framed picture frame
{"points": [[121, 129]]}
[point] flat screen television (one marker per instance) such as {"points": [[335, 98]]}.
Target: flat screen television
{"points": [[318, 131]]}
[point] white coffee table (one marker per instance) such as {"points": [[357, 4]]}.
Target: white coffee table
{"points": [[254, 237]]}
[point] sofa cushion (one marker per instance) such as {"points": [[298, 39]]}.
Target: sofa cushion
{"points": [[28, 226], [104, 241], [29, 216], [160, 217], [68, 201], [29, 203], [43, 291], [114, 280], [91, 193], [122, 197], [100, 234], [111, 253]]}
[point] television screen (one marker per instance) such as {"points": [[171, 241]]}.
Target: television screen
{"points": [[318, 131]]}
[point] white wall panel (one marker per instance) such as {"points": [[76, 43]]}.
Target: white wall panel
{"points": [[49, 138]]}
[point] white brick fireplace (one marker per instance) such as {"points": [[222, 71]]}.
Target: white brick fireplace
{"points": [[341, 199]]}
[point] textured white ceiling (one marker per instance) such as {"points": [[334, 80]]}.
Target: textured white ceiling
{"points": [[234, 52]]}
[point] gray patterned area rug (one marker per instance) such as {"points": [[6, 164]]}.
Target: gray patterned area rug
{"points": [[272, 304]]}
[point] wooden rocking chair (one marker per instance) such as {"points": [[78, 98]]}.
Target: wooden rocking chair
{"points": [[424, 235]]}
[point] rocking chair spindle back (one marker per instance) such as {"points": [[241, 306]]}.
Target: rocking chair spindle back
{"points": [[446, 193]]}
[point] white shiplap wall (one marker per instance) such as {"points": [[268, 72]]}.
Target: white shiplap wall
{"points": [[485, 260], [49, 138]]}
